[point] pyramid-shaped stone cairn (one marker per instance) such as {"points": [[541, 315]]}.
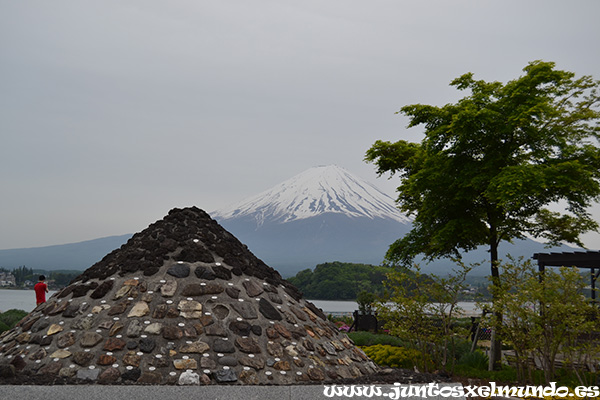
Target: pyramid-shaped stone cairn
{"points": [[182, 302]]}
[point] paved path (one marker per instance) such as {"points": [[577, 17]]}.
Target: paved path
{"points": [[123, 392]]}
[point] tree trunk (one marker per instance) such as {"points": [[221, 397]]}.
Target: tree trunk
{"points": [[496, 342]]}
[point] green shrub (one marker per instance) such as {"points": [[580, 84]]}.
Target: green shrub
{"points": [[392, 356], [10, 318], [3, 327]]}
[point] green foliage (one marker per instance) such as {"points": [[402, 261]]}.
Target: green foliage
{"points": [[544, 316], [395, 357], [365, 302], [364, 338], [422, 313], [340, 281], [10, 318]]}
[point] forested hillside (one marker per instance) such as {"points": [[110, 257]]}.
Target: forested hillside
{"points": [[339, 281]]}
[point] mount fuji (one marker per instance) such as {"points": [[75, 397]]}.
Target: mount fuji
{"points": [[322, 214], [327, 214], [314, 192]]}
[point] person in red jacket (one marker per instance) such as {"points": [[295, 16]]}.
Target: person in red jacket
{"points": [[40, 290]]}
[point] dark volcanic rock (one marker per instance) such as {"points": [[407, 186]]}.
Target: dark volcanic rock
{"points": [[118, 308], [147, 345], [82, 358], [257, 330], [27, 322], [90, 339], [255, 362], [110, 375], [131, 374], [229, 361], [150, 378], [225, 376], [268, 311], [245, 309], [81, 290], [248, 345], [223, 346], [105, 359], [222, 272], [172, 332], [196, 253], [71, 311], [241, 328], [132, 344], [198, 289], [113, 344], [18, 363], [65, 340], [160, 311], [252, 288], [179, 271], [101, 290], [232, 292], [204, 273]]}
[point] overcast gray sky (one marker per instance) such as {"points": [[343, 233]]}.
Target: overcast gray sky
{"points": [[114, 112]]}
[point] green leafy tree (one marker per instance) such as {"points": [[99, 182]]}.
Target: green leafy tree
{"points": [[492, 166], [365, 301]]}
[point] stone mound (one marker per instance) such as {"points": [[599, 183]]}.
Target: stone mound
{"points": [[182, 302]]}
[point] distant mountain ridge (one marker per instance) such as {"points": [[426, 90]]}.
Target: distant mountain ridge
{"points": [[75, 256]]}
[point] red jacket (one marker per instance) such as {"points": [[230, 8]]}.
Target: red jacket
{"points": [[40, 292]]}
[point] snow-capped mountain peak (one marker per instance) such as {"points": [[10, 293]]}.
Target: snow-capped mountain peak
{"points": [[318, 190]]}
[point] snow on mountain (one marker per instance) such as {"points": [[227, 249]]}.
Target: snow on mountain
{"points": [[318, 190]]}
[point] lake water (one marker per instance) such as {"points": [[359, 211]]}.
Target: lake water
{"points": [[25, 300], [19, 299], [348, 307]]}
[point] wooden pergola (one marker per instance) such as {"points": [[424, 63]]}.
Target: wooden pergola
{"points": [[579, 259]]}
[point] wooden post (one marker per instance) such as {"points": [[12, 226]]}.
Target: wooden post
{"points": [[593, 284]]}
